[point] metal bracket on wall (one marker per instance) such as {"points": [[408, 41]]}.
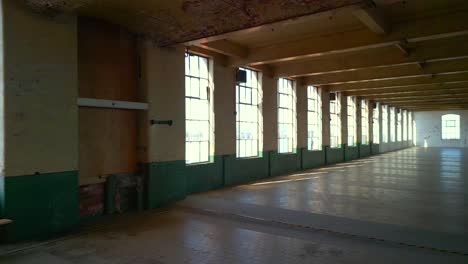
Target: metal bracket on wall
{"points": [[104, 103], [161, 122]]}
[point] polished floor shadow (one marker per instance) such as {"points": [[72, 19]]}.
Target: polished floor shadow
{"points": [[424, 188]]}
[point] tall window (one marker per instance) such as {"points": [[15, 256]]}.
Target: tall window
{"points": [[248, 115], [335, 121], [450, 126], [375, 124], [405, 125], [198, 112], [399, 114], [364, 122], [384, 123], [351, 102], [286, 116], [392, 124], [314, 118], [410, 125]]}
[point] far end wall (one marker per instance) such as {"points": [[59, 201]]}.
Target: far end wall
{"points": [[429, 128]]}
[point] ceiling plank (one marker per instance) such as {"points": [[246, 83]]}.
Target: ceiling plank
{"points": [[430, 28]]}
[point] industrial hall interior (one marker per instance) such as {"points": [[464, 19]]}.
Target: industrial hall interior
{"points": [[233, 131]]}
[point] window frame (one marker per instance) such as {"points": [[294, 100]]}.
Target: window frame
{"points": [[189, 97], [255, 102], [351, 120], [364, 122], [314, 112], [335, 116], [376, 124], [457, 127], [291, 95], [385, 126]]}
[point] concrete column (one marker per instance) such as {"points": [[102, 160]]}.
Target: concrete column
{"points": [[358, 120], [325, 117], [370, 119], [380, 120], [224, 109], [270, 113], [301, 94], [344, 120], [39, 88]]}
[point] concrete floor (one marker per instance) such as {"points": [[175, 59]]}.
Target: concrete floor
{"points": [[292, 219]]}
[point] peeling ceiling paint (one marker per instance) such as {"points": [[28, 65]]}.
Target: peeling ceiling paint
{"points": [[176, 21]]}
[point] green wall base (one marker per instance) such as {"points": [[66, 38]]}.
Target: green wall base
{"points": [[312, 159], [351, 153], [40, 205], [334, 155], [364, 150]]}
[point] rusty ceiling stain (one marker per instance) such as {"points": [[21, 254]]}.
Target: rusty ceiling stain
{"points": [[176, 21]]}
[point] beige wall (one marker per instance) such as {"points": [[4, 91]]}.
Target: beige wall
{"points": [[162, 80], [270, 113], [301, 116], [40, 82], [224, 109], [325, 117]]}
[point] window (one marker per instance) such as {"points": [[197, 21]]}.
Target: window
{"points": [[335, 121], [286, 116], [375, 124], [405, 125], [398, 127], [198, 112], [248, 115], [364, 122], [410, 126], [351, 106], [392, 124], [384, 123], [314, 118], [450, 126]]}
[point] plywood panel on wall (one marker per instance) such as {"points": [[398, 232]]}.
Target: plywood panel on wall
{"points": [[107, 70]]}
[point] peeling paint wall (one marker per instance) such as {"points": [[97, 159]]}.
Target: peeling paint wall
{"points": [[429, 129], [41, 114]]}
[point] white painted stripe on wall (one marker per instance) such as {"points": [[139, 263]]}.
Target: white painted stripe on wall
{"points": [[104, 103]]}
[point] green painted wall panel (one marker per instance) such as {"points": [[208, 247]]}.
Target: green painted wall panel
{"points": [[205, 177], [351, 153], [375, 149], [40, 205], [238, 171], [284, 163], [312, 159], [166, 182], [334, 155], [364, 150]]}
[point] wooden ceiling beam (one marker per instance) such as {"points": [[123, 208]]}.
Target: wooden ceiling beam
{"points": [[378, 84], [226, 47], [389, 73], [374, 19], [424, 52], [415, 93], [429, 28], [409, 88]]}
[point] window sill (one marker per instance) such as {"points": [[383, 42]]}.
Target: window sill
{"points": [[249, 158], [199, 163]]}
